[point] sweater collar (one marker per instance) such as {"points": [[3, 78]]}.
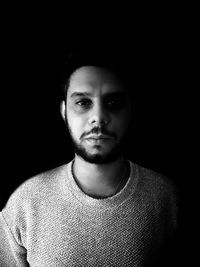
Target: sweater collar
{"points": [[104, 203]]}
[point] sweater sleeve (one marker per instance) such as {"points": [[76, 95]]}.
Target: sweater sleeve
{"points": [[11, 253]]}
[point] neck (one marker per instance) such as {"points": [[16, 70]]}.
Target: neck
{"points": [[100, 179]]}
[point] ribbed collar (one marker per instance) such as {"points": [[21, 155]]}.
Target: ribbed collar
{"points": [[105, 203]]}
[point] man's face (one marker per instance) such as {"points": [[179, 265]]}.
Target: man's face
{"points": [[97, 112]]}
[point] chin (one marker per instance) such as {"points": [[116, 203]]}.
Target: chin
{"points": [[98, 158]]}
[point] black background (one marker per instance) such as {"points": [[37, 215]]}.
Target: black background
{"points": [[162, 46]]}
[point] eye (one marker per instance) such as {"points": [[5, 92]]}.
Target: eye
{"points": [[111, 102], [115, 103], [83, 103]]}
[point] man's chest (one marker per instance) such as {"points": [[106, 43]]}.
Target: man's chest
{"points": [[91, 239]]}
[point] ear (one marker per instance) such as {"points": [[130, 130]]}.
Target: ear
{"points": [[62, 109]]}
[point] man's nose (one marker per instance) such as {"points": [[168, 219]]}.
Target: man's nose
{"points": [[99, 116]]}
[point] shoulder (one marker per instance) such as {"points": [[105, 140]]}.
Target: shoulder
{"points": [[156, 188], [155, 182], [31, 198], [40, 187], [159, 191], [41, 183]]}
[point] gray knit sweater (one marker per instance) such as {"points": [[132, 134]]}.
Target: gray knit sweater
{"points": [[49, 222]]}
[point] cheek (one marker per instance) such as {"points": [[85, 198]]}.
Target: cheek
{"points": [[122, 121], [76, 124]]}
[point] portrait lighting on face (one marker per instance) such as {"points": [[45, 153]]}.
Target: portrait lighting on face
{"points": [[97, 114]]}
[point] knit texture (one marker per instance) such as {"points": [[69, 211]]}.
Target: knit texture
{"points": [[50, 222]]}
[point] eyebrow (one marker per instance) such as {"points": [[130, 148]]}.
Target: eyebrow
{"points": [[76, 94], [87, 94]]}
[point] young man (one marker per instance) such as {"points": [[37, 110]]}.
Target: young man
{"points": [[100, 209]]}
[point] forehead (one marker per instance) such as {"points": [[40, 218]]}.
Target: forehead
{"points": [[94, 80]]}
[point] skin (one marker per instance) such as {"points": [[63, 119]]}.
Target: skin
{"points": [[97, 103]]}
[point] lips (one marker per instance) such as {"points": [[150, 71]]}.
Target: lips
{"points": [[98, 137]]}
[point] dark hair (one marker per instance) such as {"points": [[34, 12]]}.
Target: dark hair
{"points": [[111, 60]]}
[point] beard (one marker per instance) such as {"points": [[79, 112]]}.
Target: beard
{"points": [[98, 158]]}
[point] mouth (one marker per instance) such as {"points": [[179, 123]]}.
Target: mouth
{"points": [[98, 137], [97, 140]]}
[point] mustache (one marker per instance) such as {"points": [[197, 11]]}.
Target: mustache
{"points": [[98, 130]]}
